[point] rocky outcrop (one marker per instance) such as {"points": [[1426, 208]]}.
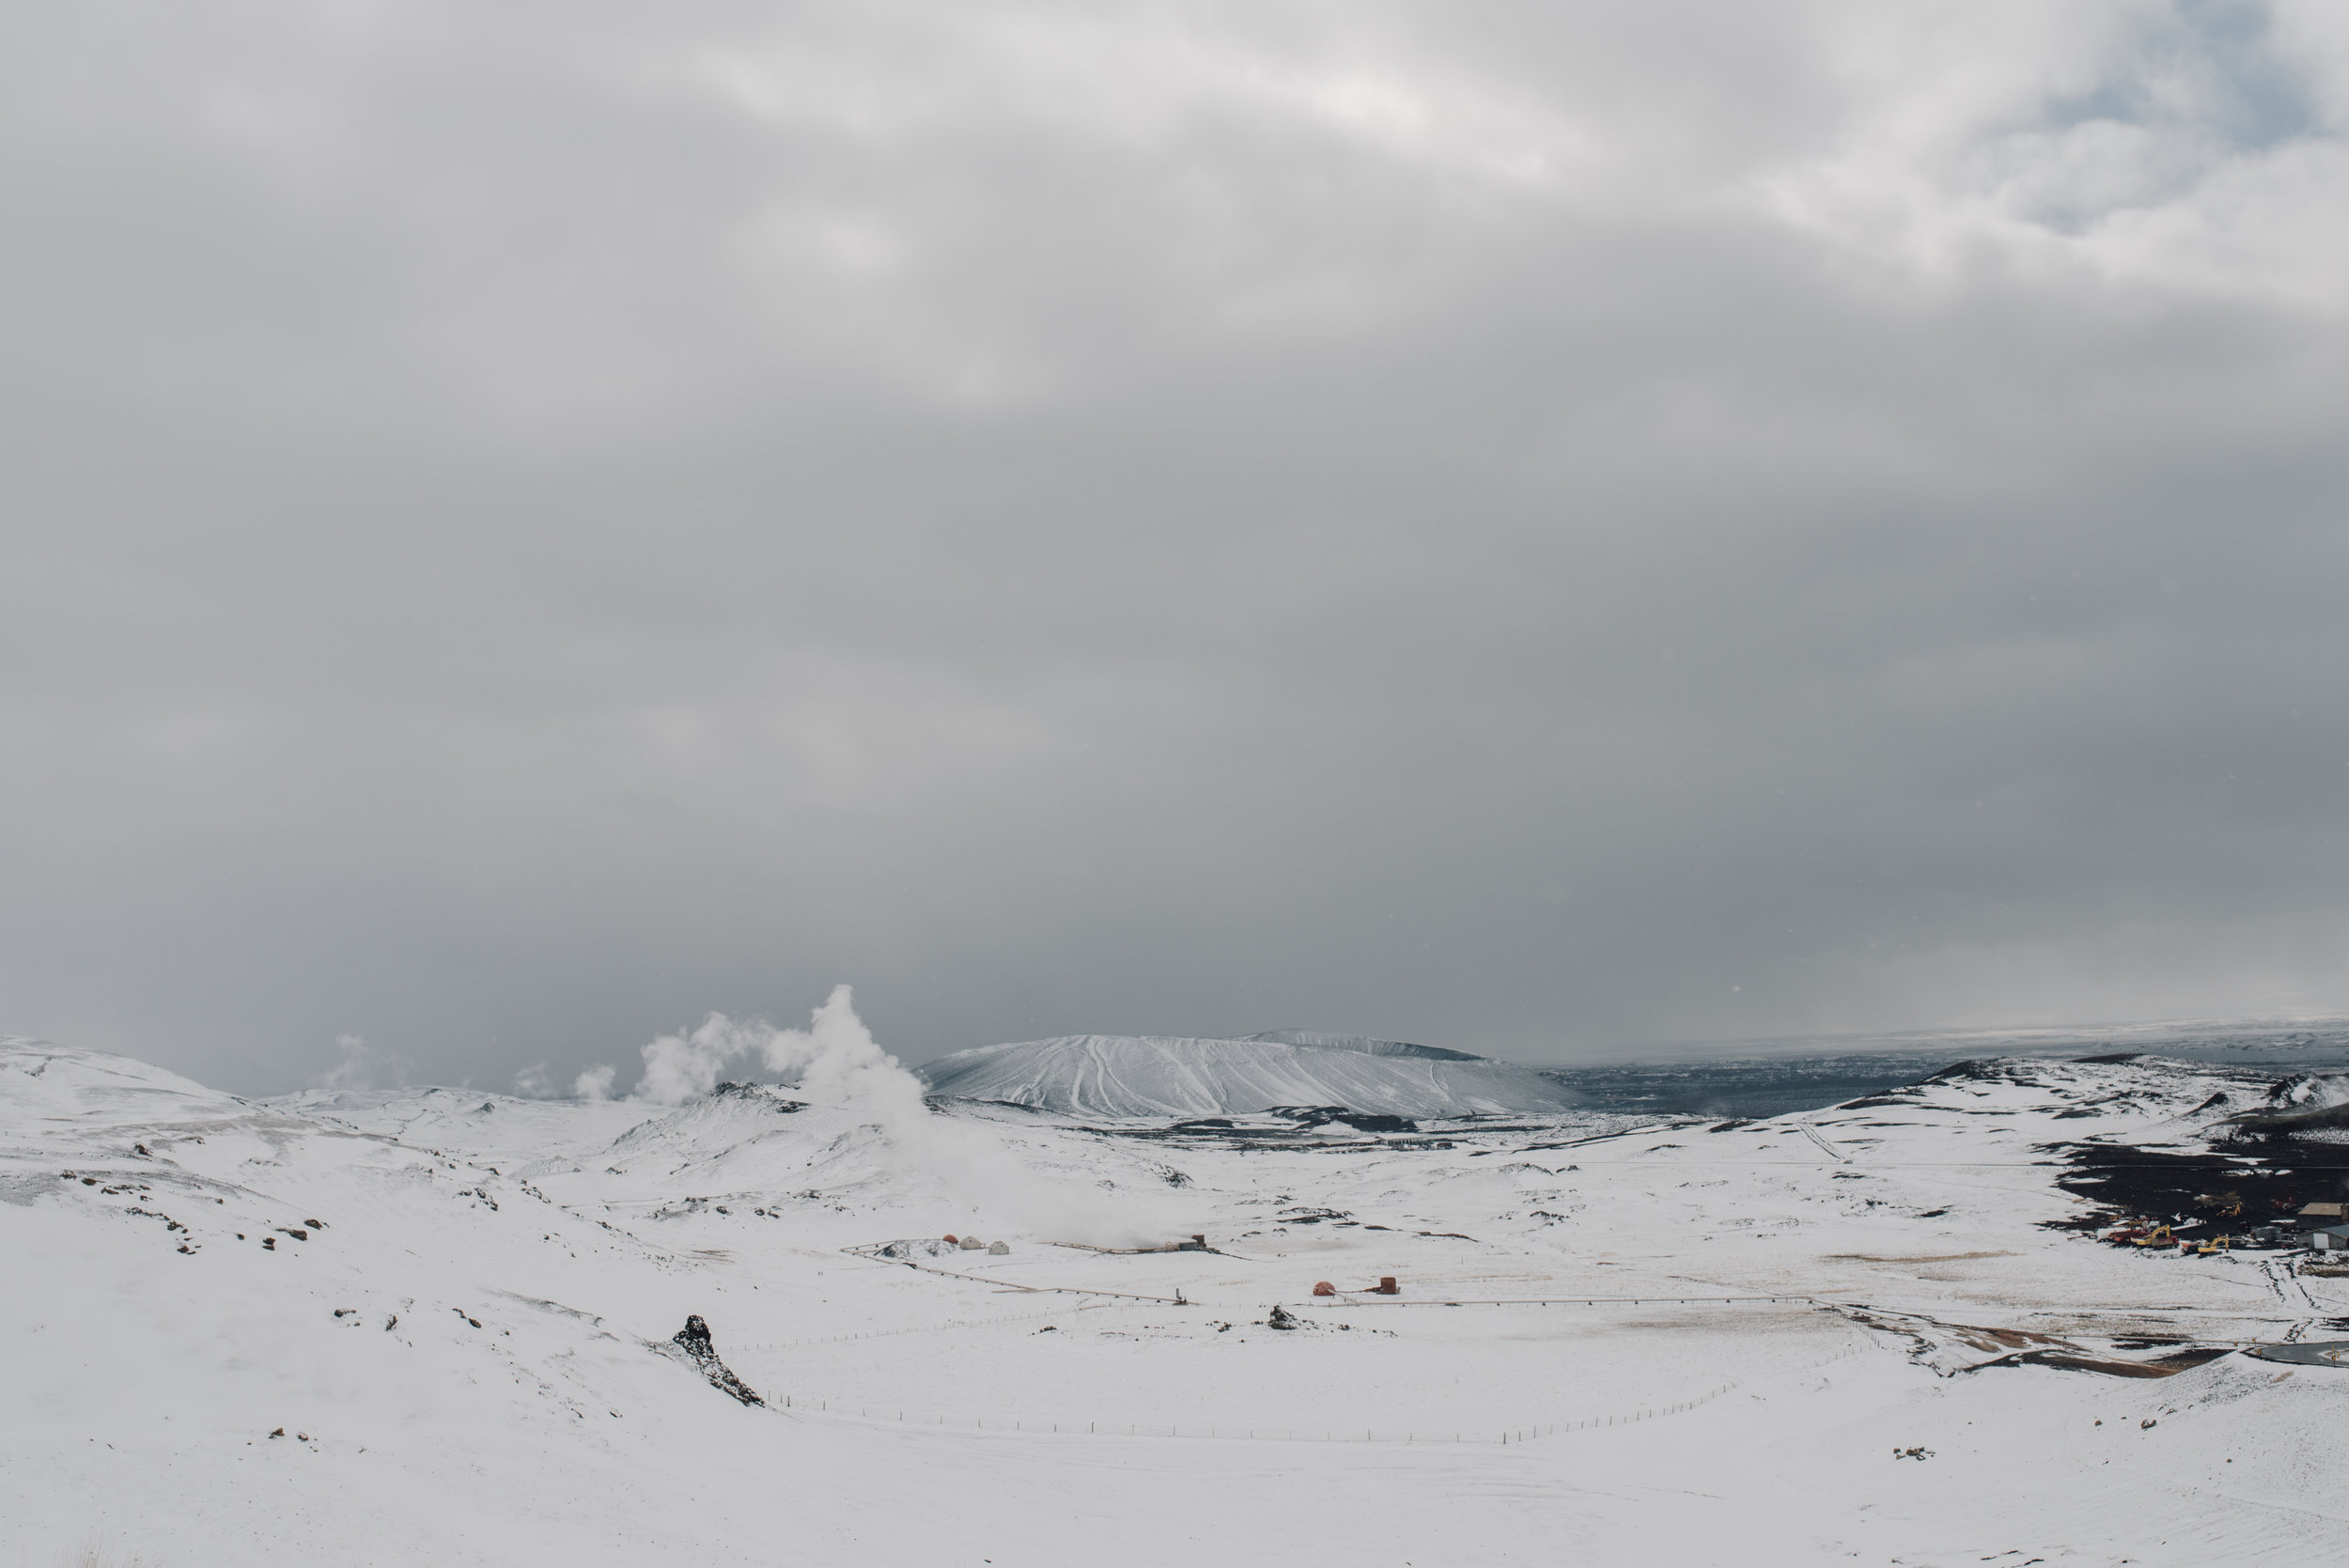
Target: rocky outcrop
{"points": [[694, 1343]]}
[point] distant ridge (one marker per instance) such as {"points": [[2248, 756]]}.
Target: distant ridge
{"points": [[1155, 1074], [1362, 1043]]}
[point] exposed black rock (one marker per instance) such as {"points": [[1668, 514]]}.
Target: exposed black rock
{"points": [[2202, 1194], [773, 1101], [2287, 1121], [1361, 1121], [693, 1340]]}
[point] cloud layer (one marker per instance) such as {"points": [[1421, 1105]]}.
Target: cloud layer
{"points": [[1528, 530]]}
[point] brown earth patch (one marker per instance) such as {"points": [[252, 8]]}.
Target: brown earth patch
{"points": [[2164, 1366]]}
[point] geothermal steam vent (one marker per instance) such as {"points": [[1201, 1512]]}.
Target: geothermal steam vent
{"points": [[1153, 1075]]}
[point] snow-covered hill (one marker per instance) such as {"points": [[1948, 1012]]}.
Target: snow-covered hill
{"points": [[1151, 1075], [61, 1087]]}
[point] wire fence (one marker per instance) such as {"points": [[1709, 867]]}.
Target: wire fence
{"points": [[874, 1253], [1023, 1427], [920, 1329], [1351, 1299], [1094, 1306]]}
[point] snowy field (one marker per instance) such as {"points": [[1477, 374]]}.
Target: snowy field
{"points": [[1679, 1343]]}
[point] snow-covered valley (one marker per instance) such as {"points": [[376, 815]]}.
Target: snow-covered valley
{"points": [[1884, 1332]]}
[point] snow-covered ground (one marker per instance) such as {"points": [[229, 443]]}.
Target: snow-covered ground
{"points": [[1688, 1343]]}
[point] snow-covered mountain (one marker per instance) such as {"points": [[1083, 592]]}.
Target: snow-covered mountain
{"points": [[1155, 1074]]}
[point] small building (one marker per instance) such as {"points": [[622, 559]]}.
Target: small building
{"points": [[2331, 1238], [971, 1244], [998, 1250]]}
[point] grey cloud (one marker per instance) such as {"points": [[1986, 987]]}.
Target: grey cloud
{"points": [[1530, 534]]}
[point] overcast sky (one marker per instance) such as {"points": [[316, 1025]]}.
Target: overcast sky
{"points": [[1528, 528]]}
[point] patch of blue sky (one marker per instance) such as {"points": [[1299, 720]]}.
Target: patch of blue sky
{"points": [[2201, 85], [2214, 66]]}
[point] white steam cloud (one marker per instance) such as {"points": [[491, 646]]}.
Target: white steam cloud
{"points": [[538, 1083], [363, 1067], [835, 1062]]}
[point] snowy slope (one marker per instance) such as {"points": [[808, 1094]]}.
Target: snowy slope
{"points": [[500, 1128], [62, 1086], [466, 1345], [1121, 1076]]}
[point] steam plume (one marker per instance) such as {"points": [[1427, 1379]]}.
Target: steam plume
{"points": [[835, 1062]]}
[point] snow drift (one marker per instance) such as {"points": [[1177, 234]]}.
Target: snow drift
{"points": [[1120, 1076]]}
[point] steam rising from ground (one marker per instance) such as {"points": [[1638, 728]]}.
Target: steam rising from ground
{"points": [[834, 1061], [535, 1082], [363, 1067]]}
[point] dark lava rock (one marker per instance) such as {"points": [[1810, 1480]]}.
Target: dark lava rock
{"points": [[1283, 1318], [1365, 1121], [1361, 1121], [759, 1092], [694, 1338]]}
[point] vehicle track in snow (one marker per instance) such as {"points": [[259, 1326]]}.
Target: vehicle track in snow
{"points": [[1832, 1152]]}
